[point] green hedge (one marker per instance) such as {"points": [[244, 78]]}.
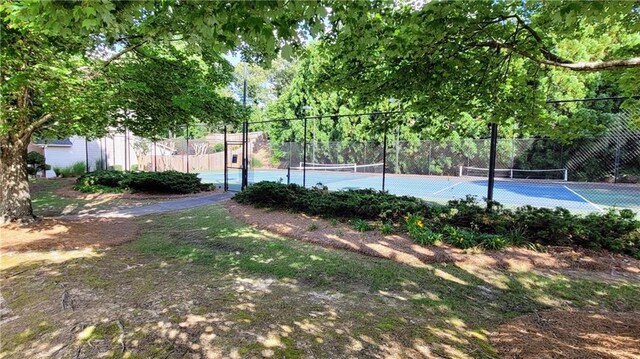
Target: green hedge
{"points": [[152, 182], [464, 223]]}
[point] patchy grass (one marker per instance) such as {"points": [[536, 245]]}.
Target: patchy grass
{"points": [[46, 202], [198, 282]]}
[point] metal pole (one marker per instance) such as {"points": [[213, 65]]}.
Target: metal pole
{"points": [[304, 156], [398, 150], [225, 181], [113, 143], [103, 144], [86, 154], [126, 150], [155, 156], [245, 155], [492, 163], [616, 163], [429, 158], [245, 126], [187, 148], [384, 158], [289, 165]]}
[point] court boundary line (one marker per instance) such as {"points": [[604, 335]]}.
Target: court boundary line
{"points": [[584, 199], [449, 187]]}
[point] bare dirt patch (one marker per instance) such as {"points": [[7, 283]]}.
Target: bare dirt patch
{"points": [[53, 234], [566, 334], [402, 249]]}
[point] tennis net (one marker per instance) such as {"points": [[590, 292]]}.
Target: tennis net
{"points": [[557, 174], [340, 167]]}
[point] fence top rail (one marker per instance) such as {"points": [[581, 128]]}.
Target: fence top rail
{"points": [[327, 116]]}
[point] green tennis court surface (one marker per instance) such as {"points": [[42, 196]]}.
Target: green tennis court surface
{"points": [[577, 197]]}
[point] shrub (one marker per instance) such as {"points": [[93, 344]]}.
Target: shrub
{"points": [[463, 223], [218, 147], [75, 170], [36, 163], [312, 227], [154, 182]]}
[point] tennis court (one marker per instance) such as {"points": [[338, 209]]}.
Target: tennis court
{"points": [[574, 196]]}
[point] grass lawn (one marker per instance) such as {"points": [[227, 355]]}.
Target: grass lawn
{"points": [[55, 197], [199, 282]]}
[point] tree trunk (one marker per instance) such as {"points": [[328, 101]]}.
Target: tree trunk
{"points": [[15, 200]]}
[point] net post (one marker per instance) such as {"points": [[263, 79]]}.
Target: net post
{"points": [[566, 175], [304, 156], [384, 158], [511, 172], [460, 171], [492, 164]]}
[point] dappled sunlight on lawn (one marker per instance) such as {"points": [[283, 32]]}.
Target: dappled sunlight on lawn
{"points": [[199, 283]]}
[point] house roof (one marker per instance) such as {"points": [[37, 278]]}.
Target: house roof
{"points": [[63, 142]]}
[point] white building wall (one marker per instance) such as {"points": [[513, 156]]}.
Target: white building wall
{"points": [[65, 156], [109, 150]]}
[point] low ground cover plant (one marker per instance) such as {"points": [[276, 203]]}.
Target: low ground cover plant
{"points": [[463, 223], [171, 182]]}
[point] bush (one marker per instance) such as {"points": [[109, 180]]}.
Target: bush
{"points": [[463, 223], [218, 147], [36, 163], [75, 170], [153, 182]]}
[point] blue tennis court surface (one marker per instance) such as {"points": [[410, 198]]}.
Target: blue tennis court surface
{"points": [[577, 197]]}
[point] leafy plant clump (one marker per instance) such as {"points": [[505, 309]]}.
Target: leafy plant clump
{"points": [[463, 223], [361, 225], [170, 182], [75, 170]]}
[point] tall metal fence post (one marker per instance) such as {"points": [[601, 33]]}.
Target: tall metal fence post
{"points": [[492, 163], [616, 161], [103, 152], [155, 155], [245, 159], [304, 156], [384, 158], [113, 144], [187, 150], [289, 165], [126, 150], [86, 154], [226, 160], [398, 151], [429, 158]]}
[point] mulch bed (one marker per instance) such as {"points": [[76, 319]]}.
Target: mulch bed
{"points": [[402, 249], [54, 234], [567, 334]]}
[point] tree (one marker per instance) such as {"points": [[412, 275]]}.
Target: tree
{"points": [[57, 57], [490, 59]]}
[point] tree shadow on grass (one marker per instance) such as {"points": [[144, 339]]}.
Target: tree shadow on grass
{"points": [[199, 283]]}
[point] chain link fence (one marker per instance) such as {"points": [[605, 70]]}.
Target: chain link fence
{"points": [[585, 175]]}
